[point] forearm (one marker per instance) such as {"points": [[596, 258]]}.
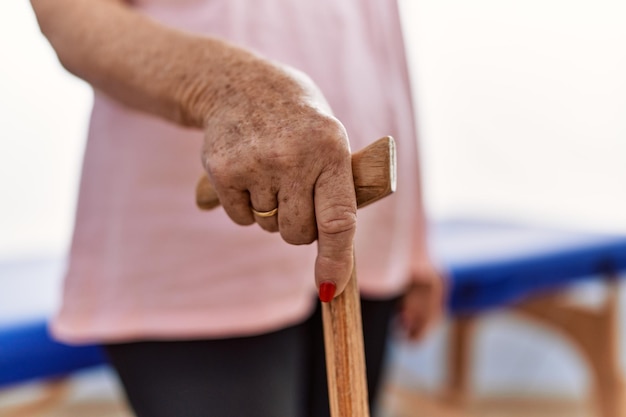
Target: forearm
{"points": [[142, 63]]}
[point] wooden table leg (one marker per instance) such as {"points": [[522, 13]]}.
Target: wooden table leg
{"points": [[460, 350], [594, 332]]}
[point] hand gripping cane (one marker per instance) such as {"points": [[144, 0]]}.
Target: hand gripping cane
{"points": [[374, 172]]}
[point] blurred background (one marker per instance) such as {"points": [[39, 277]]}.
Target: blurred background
{"points": [[521, 110]]}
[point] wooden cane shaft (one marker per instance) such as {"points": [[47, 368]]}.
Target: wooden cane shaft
{"points": [[345, 355]]}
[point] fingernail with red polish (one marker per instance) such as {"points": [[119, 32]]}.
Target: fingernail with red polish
{"points": [[327, 291]]}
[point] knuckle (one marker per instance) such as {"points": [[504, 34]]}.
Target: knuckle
{"points": [[337, 220], [216, 170], [328, 136], [224, 168], [332, 135], [223, 172]]}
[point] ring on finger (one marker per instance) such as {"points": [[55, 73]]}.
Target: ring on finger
{"points": [[265, 213]]}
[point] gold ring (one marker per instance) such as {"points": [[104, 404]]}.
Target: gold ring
{"points": [[265, 213]]}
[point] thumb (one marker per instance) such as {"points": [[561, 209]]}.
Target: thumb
{"points": [[335, 213]]}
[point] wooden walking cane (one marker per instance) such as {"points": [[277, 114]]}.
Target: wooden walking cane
{"points": [[374, 172]]}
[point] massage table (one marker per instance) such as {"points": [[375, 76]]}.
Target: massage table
{"points": [[526, 268], [490, 265]]}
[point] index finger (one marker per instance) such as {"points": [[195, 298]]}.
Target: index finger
{"points": [[335, 213]]}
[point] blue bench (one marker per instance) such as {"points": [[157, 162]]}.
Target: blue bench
{"points": [[495, 264], [28, 353]]}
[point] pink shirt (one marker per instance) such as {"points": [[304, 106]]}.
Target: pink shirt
{"points": [[146, 263]]}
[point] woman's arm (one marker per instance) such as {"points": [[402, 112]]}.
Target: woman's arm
{"points": [[140, 62], [270, 138]]}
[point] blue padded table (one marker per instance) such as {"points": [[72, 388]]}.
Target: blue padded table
{"points": [[28, 353], [524, 268], [494, 264]]}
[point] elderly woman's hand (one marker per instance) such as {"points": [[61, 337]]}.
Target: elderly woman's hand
{"points": [[271, 141], [274, 144]]}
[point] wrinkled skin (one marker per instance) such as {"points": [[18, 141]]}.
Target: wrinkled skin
{"points": [[276, 144]]}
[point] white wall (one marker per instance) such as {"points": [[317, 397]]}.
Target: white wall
{"points": [[43, 114], [522, 114], [522, 107]]}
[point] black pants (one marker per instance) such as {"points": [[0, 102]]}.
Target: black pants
{"points": [[280, 374]]}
